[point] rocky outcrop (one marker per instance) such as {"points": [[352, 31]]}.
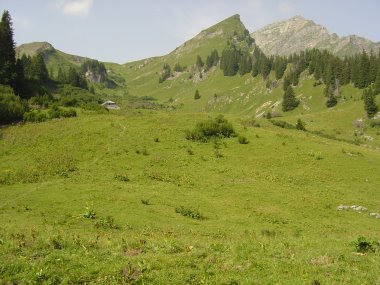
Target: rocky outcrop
{"points": [[297, 34]]}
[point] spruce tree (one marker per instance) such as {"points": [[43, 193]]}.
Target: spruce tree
{"points": [[363, 71], [61, 77], [377, 83], [289, 102], [197, 95], [331, 101], [369, 103], [39, 70], [7, 51], [199, 63]]}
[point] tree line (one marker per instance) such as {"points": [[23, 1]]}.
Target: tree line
{"points": [[362, 70]]}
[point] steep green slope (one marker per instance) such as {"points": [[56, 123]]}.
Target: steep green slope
{"points": [[53, 58]]}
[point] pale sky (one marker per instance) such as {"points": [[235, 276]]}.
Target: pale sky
{"points": [[124, 30]]}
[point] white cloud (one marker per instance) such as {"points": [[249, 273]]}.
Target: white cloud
{"points": [[285, 7], [74, 7]]}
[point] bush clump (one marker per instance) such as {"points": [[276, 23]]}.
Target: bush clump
{"points": [[243, 140], [364, 245], [218, 127], [188, 212], [282, 124], [35, 116], [11, 106]]}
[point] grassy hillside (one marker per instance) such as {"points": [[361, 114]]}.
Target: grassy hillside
{"points": [[53, 58], [269, 207], [243, 96]]}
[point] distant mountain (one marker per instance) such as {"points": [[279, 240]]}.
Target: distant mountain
{"points": [[54, 58], [298, 33]]}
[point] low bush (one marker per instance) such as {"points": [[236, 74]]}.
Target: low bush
{"points": [[364, 245], [300, 125], [190, 213], [35, 116], [218, 127], [11, 106], [107, 223], [243, 140], [282, 124], [374, 123], [122, 177]]}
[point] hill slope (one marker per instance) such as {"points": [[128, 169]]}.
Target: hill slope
{"points": [[54, 58], [297, 34], [237, 95]]}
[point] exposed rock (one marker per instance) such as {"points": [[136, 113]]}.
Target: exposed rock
{"points": [[297, 34], [353, 207]]}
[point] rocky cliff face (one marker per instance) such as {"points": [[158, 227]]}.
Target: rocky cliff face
{"points": [[298, 33]]}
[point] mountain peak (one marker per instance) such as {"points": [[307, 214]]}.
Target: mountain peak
{"points": [[297, 34], [298, 18], [33, 48]]}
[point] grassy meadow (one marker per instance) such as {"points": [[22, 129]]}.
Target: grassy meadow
{"points": [[124, 198]]}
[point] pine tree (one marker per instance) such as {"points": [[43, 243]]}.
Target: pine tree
{"points": [[286, 83], [369, 103], [289, 102], [39, 70], [197, 95], [331, 101], [363, 71], [212, 59], [245, 65], [7, 51], [61, 77], [199, 63], [166, 73], [377, 83], [373, 66]]}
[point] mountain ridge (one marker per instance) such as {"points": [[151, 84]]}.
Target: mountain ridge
{"points": [[297, 33]]}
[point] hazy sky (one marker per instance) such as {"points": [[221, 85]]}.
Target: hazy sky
{"points": [[124, 30]]}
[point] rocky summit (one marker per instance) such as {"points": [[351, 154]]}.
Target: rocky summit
{"points": [[297, 34]]}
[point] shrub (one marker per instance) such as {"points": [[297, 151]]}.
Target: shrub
{"points": [[197, 95], [374, 123], [107, 223], [211, 128], [68, 113], [282, 124], [89, 213], [243, 140], [331, 101], [188, 212], [35, 116], [363, 245], [300, 125], [11, 106], [122, 177]]}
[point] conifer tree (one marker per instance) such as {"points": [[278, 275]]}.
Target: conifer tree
{"points": [[369, 103], [289, 102], [377, 83], [363, 71], [7, 51], [39, 70], [199, 63], [286, 83], [197, 95], [331, 101], [61, 77]]}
